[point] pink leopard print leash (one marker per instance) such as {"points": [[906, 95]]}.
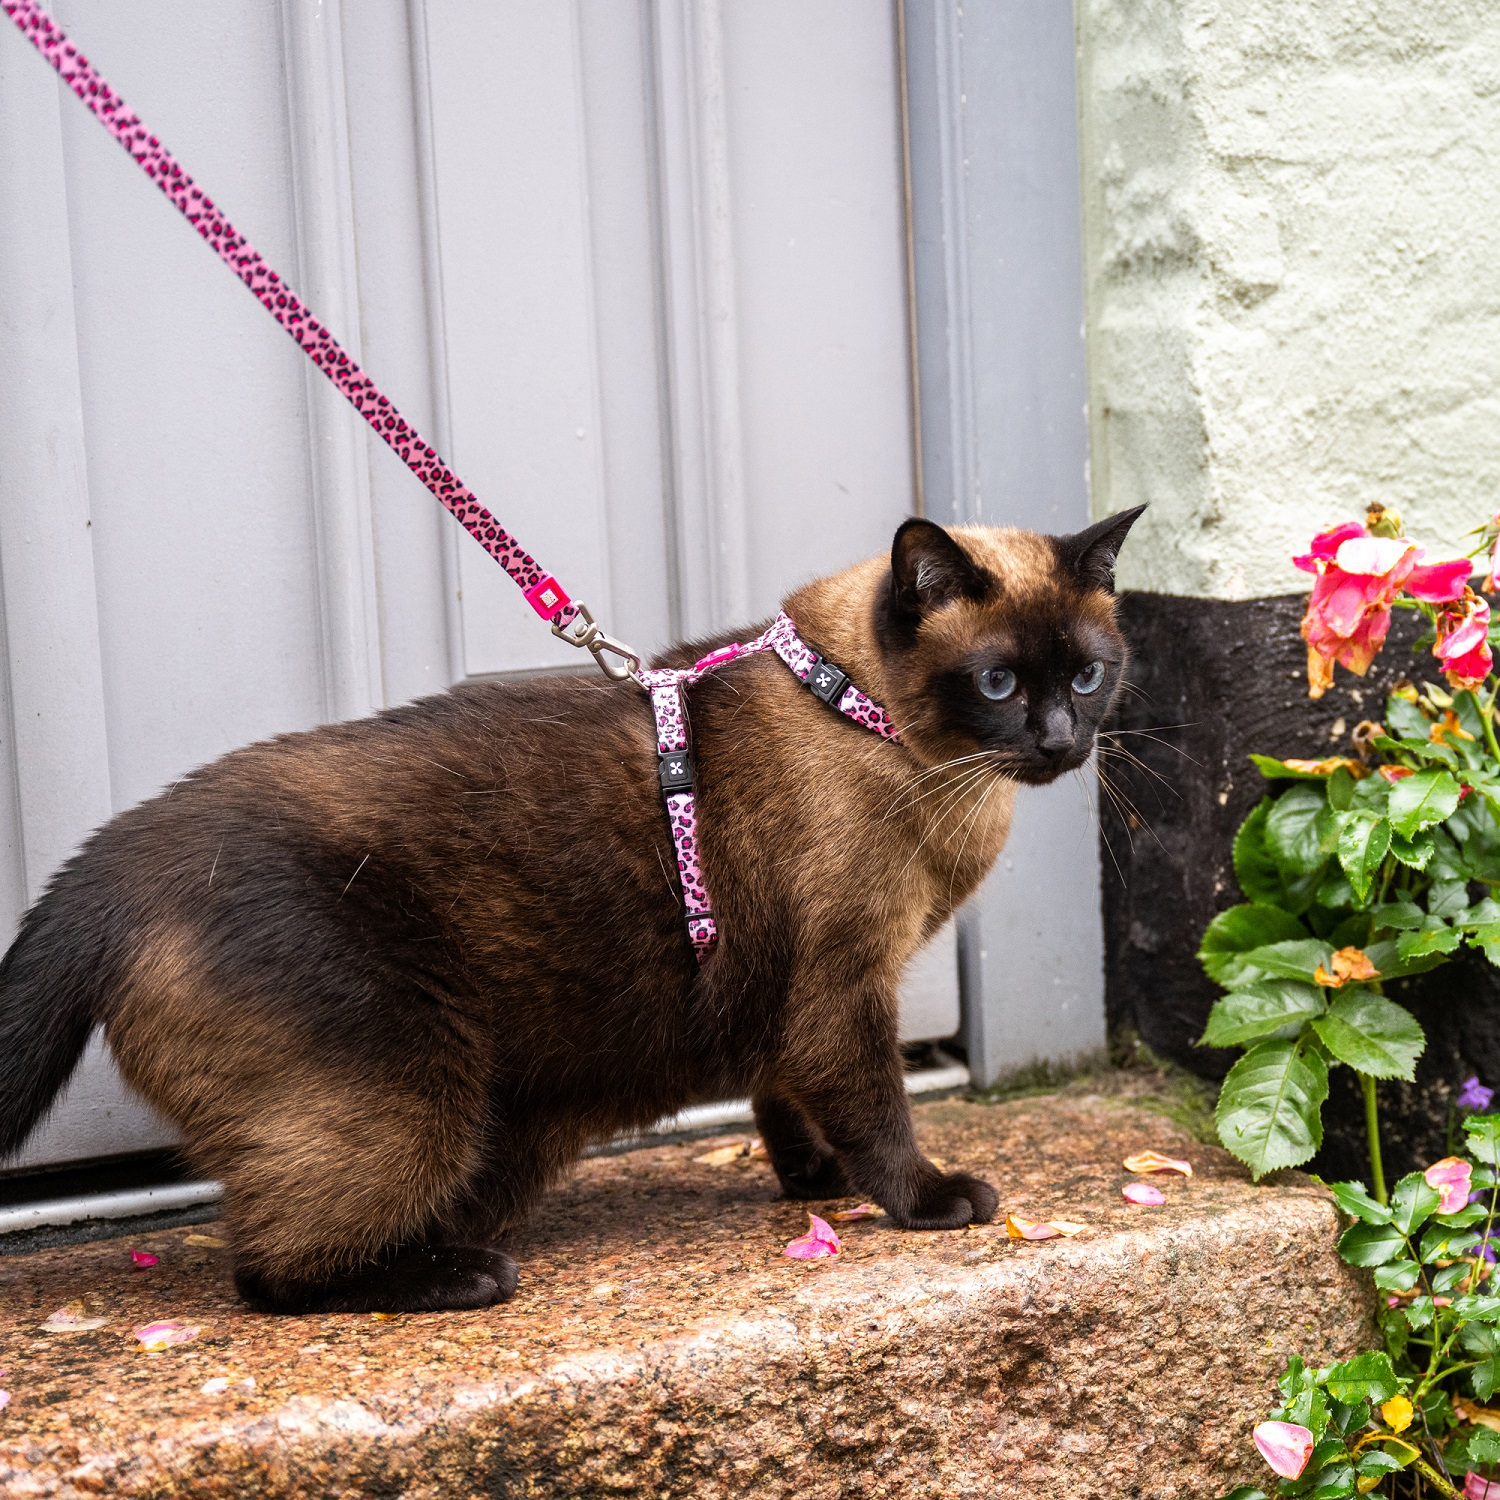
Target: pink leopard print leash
{"points": [[674, 761], [543, 592], [569, 618]]}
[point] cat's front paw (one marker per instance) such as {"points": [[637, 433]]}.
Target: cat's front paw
{"points": [[950, 1202]]}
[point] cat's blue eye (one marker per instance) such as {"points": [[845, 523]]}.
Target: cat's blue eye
{"points": [[1089, 679], [996, 682]]}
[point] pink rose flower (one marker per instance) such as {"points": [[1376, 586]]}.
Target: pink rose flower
{"points": [[1463, 644], [1358, 575], [1452, 1178]]}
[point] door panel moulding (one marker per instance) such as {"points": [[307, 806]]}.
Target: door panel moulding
{"points": [[328, 278], [700, 315]]}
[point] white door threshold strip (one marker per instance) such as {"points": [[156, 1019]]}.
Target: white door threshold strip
{"points": [[135, 1202]]}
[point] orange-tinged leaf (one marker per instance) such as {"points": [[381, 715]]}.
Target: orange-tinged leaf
{"points": [[757, 1150], [156, 1336], [385, 1317], [1327, 767], [1480, 1416], [1154, 1161], [819, 1241], [859, 1211], [208, 1241]]}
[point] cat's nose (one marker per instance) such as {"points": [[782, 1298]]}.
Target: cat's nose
{"points": [[1057, 731]]}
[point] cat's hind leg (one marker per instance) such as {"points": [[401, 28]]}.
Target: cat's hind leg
{"points": [[425, 1278], [806, 1165]]}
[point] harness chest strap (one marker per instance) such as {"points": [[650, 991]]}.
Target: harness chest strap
{"points": [[674, 762]]}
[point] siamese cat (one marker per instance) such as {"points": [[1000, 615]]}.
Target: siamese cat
{"points": [[389, 978]]}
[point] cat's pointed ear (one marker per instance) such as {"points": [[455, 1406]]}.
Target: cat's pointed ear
{"points": [[929, 568], [1090, 555]]}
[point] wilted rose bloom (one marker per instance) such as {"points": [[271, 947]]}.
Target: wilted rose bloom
{"points": [[1452, 1177], [1463, 644], [1285, 1446], [1474, 1095], [1358, 576]]}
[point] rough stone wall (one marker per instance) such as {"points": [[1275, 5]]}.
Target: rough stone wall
{"points": [[1292, 236]]}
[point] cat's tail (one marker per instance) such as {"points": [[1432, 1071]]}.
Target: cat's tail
{"points": [[51, 983]]}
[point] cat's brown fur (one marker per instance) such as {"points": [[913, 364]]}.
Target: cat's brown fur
{"points": [[388, 978]]}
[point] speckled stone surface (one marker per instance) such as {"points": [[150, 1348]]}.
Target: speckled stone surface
{"points": [[661, 1345]]}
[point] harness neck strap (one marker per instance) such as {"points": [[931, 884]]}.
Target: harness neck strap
{"points": [[822, 679]]}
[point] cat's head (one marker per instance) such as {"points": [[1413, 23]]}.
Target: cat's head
{"points": [[1003, 642]]}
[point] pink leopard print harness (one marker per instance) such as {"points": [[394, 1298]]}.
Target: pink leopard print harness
{"points": [[569, 618], [675, 764]]}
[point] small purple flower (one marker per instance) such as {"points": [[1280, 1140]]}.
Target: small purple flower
{"points": [[1474, 1095]]}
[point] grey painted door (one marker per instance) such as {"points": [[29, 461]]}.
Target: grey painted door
{"points": [[636, 268]]}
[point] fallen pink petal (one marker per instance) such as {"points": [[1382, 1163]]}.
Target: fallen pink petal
{"points": [[1144, 1194], [1285, 1446], [859, 1211], [141, 1259], [1476, 1488], [156, 1336], [71, 1319], [1067, 1227], [1452, 1177], [4, 1399], [215, 1387], [819, 1241], [1154, 1161]]}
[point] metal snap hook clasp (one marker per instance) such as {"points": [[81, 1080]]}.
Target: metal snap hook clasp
{"points": [[582, 630]]}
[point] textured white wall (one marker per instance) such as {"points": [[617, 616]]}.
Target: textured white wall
{"points": [[1292, 229]]}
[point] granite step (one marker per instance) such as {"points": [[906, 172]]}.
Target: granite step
{"points": [[662, 1345]]}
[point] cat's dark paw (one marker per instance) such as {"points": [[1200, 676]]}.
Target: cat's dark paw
{"points": [[953, 1200], [435, 1278], [814, 1176]]}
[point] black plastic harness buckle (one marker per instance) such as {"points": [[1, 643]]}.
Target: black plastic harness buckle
{"points": [[825, 681], [675, 770]]}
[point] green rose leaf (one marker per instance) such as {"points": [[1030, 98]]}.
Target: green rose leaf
{"points": [[1336, 1482], [1270, 1111], [1386, 956], [1484, 1446], [1413, 1201], [1438, 938], [1257, 1010], [1487, 937], [1445, 1280], [1292, 832], [1373, 1034], [1404, 717], [1376, 1461], [1353, 1199], [1244, 1492], [1366, 1377], [1485, 1376], [1483, 1132], [1478, 1309], [1414, 852], [1420, 800], [1239, 930], [1296, 959], [1254, 868], [1399, 1275], [1371, 1244], [1362, 846], [1398, 916]]}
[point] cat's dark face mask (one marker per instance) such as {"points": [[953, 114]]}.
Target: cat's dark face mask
{"points": [[1004, 643]]}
